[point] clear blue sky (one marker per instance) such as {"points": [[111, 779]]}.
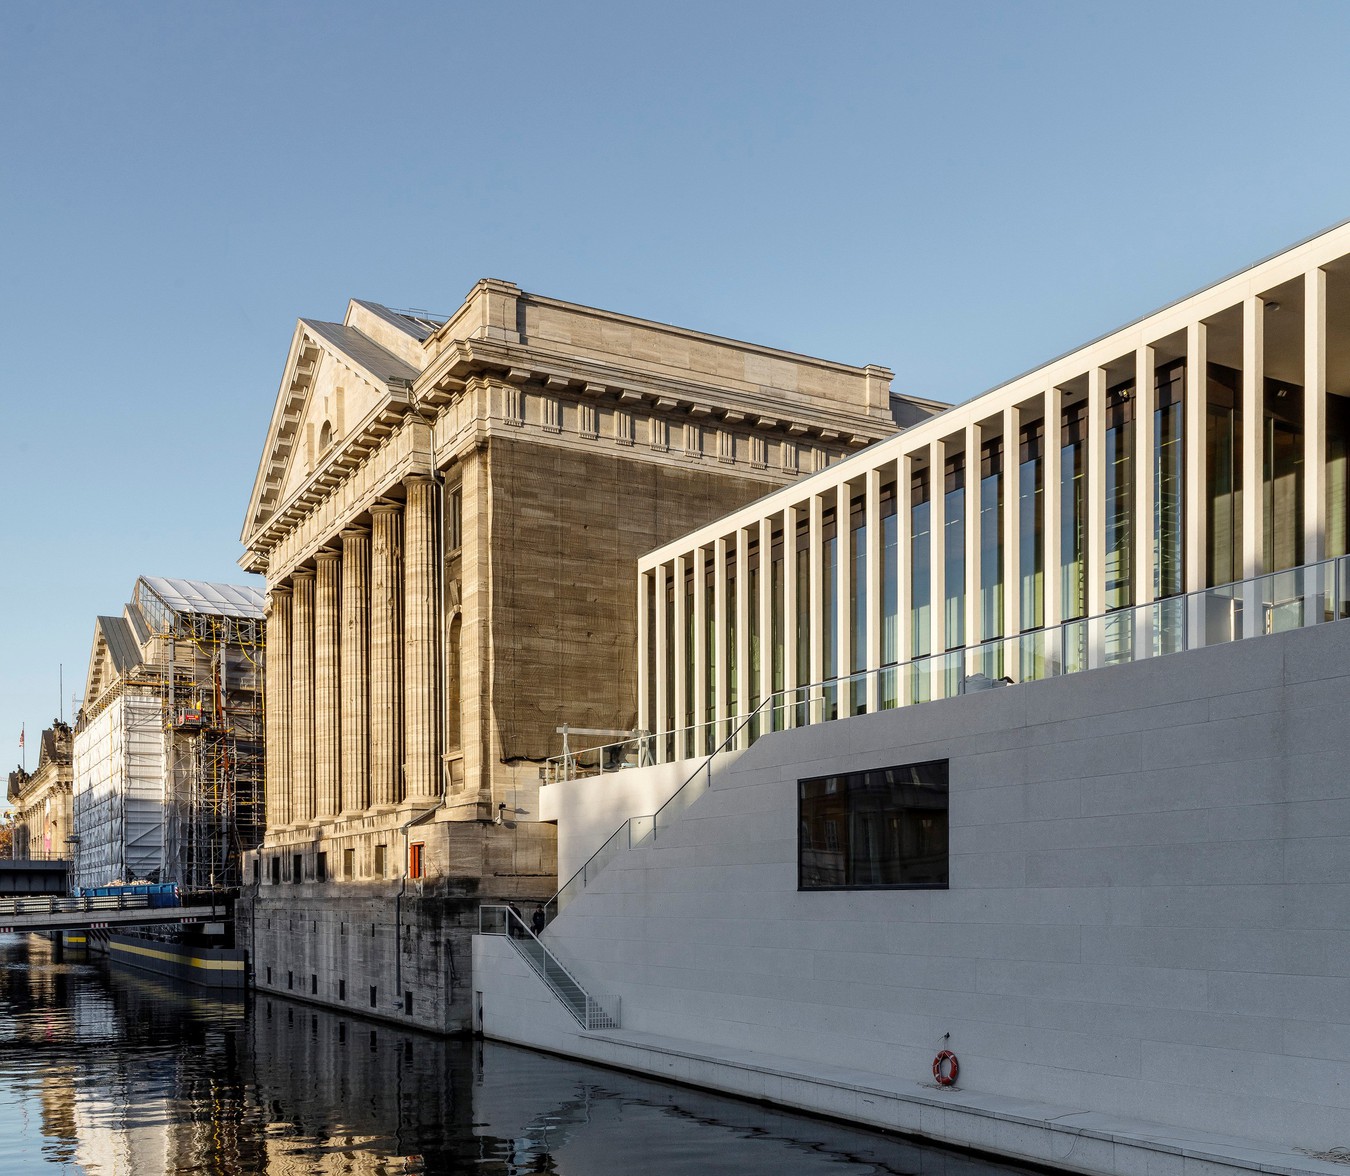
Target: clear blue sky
{"points": [[958, 191]]}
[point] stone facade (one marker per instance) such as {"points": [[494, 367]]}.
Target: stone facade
{"points": [[41, 799], [449, 515]]}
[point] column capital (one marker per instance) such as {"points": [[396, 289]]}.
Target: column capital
{"points": [[385, 507], [420, 476], [327, 553], [354, 532], [302, 574]]}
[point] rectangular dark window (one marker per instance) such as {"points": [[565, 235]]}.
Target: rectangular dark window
{"points": [[349, 863], [379, 861], [342, 990], [276, 870], [297, 867], [882, 828], [321, 866], [373, 994], [257, 870], [313, 985], [407, 1002]]}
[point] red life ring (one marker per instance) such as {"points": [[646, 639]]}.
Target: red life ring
{"points": [[947, 1077]]}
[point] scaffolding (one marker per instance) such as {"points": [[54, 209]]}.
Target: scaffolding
{"points": [[169, 757]]}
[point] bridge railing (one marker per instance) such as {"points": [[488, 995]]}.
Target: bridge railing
{"points": [[67, 906]]}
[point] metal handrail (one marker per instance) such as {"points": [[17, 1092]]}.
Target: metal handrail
{"points": [[1052, 637], [509, 918]]}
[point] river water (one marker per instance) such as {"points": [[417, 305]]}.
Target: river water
{"points": [[113, 1073]]}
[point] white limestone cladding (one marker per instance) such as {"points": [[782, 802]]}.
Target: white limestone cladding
{"points": [[1143, 931]]}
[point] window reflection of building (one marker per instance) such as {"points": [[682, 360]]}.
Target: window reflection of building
{"points": [[885, 827]]}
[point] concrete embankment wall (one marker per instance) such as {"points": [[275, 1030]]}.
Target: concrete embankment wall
{"points": [[1147, 920]]}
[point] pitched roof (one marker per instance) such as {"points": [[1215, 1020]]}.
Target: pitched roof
{"points": [[383, 365], [421, 325], [122, 645]]}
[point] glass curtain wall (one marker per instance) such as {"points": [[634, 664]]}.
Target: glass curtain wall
{"points": [[890, 596], [1223, 501], [711, 660], [920, 587], [650, 637], [829, 613], [733, 669], [1283, 464], [1169, 496], [669, 720], [991, 557], [858, 603], [1073, 522], [690, 667], [754, 637], [1223, 471], [1031, 553], [1338, 466], [954, 569], [1118, 635], [803, 619], [777, 625]]}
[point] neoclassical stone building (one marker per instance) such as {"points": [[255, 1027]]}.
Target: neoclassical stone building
{"points": [[448, 515], [41, 799]]}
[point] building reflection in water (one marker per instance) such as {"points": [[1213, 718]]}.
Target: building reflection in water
{"points": [[122, 1075]]}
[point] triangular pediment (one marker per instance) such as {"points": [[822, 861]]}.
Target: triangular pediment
{"points": [[114, 653], [336, 379]]}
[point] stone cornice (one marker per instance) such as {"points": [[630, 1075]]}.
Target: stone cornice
{"points": [[301, 535], [527, 364]]}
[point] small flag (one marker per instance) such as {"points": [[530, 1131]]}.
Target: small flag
{"points": [[21, 727]]}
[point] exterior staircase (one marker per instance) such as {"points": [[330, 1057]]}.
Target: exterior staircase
{"points": [[588, 1011]]}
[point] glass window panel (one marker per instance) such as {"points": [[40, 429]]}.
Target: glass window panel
{"points": [[920, 585], [890, 594], [829, 612], [1073, 513], [881, 828], [1169, 484], [1282, 500], [1031, 526], [1223, 474], [1119, 495], [954, 552]]}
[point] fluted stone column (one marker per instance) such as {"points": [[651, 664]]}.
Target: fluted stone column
{"points": [[386, 655], [302, 698], [421, 685], [327, 729], [278, 709], [355, 655]]}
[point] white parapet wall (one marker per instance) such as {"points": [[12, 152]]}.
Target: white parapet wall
{"points": [[1140, 962], [589, 809]]}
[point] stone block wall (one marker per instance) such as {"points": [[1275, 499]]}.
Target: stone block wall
{"points": [[1147, 918]]}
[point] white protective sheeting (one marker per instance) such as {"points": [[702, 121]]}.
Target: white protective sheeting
{"points": [[118, 793]]}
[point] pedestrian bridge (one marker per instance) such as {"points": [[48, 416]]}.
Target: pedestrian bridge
{"points": [[99, 911]]}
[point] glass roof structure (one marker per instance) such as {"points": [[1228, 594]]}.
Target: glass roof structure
{"points": [[198, 596]]}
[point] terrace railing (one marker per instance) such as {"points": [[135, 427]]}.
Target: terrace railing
{"points": [[1276, 602]]}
